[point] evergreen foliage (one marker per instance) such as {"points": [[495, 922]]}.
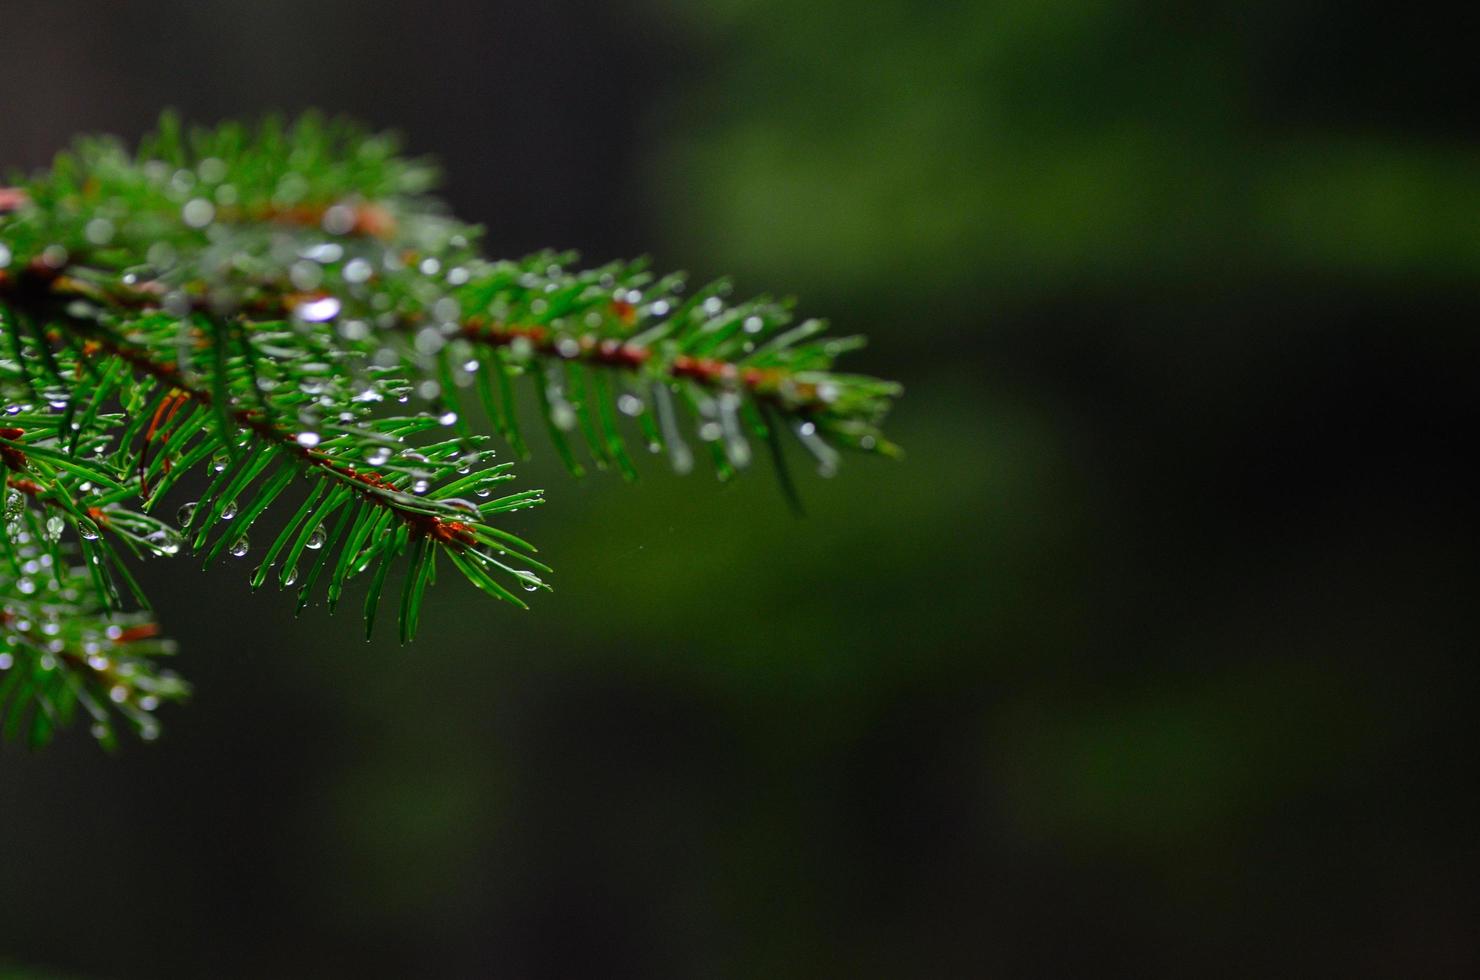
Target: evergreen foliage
{"points": [[285, 314]]}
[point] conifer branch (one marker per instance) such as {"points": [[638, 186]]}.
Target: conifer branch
{"points": [[244, 305]]}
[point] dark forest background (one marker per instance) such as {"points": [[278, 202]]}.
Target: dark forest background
{"points": [[1156, 655]]}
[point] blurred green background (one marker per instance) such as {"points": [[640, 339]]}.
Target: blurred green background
{"points": [[1156, 655]]}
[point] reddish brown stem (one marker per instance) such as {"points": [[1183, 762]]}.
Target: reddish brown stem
{"points": [[441, 529], [775, 385]]}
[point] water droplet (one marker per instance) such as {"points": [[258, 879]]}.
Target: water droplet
{"points": [[324, 252], [54, 526], [212, 170], [357, 270], [239, 547], [198, 213], [318, 310], [87, 529], [229, 511], [185, 513], [99, 231], [305, 276], [679, 453], [291, 576], [339, 220], [736, 447], [562, 413], [316, 538], [164, 542], [308, 439], [378, 456], [826, 456]]}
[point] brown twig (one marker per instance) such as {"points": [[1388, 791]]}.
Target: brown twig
{"points": [[776, 385], [448, 532]]}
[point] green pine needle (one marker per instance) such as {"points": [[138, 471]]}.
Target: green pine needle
{"points": [[283, 315]]}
